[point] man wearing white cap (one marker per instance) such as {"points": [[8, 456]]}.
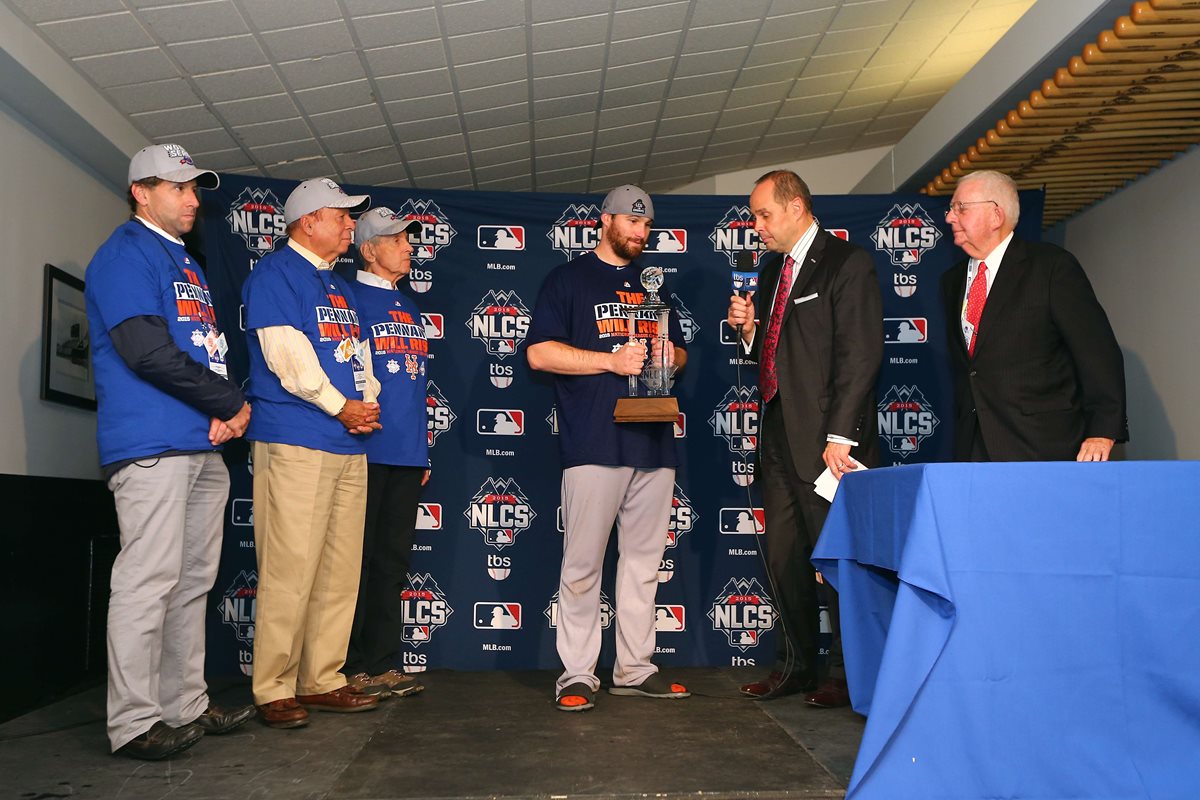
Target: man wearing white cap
{"points": [[165, 407], [314, 396], [397, 455], [611, 473]]}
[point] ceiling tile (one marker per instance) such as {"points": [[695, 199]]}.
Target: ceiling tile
{"points": [[626, 134], [347, 120], [864, 113], [552, 145], [740, 149], [632, 23], [335, 97], [550, 10], [206, 141], [907, 58], [646, 48], [634, 95], [401, 111], [797, 123], [696, 104], [940, 9], [308, 73], [402, 58], [158, 124], [564, 126], [507, 169], [502, 115], [89, 36], [567, 85], [687, 124], [379, 176], [757, 95], [419, 128], [364, 159], [266, 15], [738, 133], [563, 106], [575, 32], [573, 59], [863, 15], [364, 139], [222, 160], [309, 41], [437, 166], [724, 13], [615, 152], [41, 11], [680, 141], [499, 136], [193, 22], [302, 170], [219, 55], [490, 96], [996, 17], [410, 87], [711, 62], [490, 46], [441, 146], [722, 164], [153, 95], [635, 74], [288, 130], [576, 161], [257, 109], [835, 42], [768, 73], [127, 68], [490, 73], [287, 151], [519, 183], [231, 85], [738, 116], [478, 16], [871, 93], [794, 53], [498, 155], [716, 37], [798, 26], [628, 115], [843, 62], [402, 27], [811, 104]]}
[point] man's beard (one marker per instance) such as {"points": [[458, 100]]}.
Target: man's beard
{"points": [[624, 248]]}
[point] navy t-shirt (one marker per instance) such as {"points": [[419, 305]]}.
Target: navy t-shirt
{"points": [[583, 304], [138, 273], [392, 329]]}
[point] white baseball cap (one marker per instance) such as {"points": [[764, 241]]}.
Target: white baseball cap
{"points": [[382, 221], [169, 162], [628, 199], [316, 193]]}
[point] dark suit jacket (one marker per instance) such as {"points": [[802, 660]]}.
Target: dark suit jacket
{"points": [[1047, 371], [830, 350]]}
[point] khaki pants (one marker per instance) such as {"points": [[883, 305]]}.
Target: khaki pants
{"points": [[309, 507]]}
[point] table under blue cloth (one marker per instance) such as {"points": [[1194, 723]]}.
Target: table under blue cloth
{"points": [[1021, 630]]}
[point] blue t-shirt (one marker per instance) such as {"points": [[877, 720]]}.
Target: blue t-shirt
{"points": [[393, 331], [583, 304], [285, 289], [137, 273]]}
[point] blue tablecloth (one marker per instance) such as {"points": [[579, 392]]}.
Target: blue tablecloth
{"points": [[1021, 630]]}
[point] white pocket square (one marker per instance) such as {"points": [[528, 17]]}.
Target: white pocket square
{"points": [[805, 299]]}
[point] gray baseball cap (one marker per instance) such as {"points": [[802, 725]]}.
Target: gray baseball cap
{"points": [[628, 199], [382, 221], [317, 193], [170, 162]]}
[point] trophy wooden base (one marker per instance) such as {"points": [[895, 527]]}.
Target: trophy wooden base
{"points": [[646, 409]]}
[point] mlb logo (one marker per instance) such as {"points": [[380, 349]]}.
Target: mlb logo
{"points": [[435, 325], [242, 512], [730, 335], [429, 516], [840, 233], [681, 426], [561, 527], [498, 616], [905, 330], [500, 237], [668, 618], [667, 240], [501, 537], [423, 252], [415, 633], [500, 422], [502, 347], [743, 520], [746, 639]]}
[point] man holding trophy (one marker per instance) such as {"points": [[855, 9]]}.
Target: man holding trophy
{"points": [[597, 326]]}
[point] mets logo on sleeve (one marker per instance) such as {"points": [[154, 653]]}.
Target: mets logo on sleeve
{"points": [[735, 233], [423, 609], [501, 321], [499, 511], [743, 611], [576, 231], [906, 418], [257, 216], [906, 234], [440, 415], [735, 419]]}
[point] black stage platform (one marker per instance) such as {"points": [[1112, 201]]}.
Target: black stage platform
{"points": [[469, 735]]}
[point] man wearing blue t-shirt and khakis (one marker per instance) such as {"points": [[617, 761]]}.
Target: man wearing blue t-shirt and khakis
{"points": [[611, 472], [165, 407], [314, 397]]}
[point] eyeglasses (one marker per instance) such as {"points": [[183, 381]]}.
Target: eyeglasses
{"points": [[957, 206]]}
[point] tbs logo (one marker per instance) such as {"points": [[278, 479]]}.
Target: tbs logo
{"points": [[498, 567], [500, 375], [500, 237], [498, 616], [237, 606], [666, 570], [499, 511], [500, 422], [743, 520], [742, 471], [501, 322], [735, 419], [576, 231], [905, 330], [743, 611], [423, 609], [906, 234], [667, 240], [669, 619], [429, 516], [437, 409], [735, 233], [606, 611], [257, 216], [905, 419], [904, 284], [435, 325]]}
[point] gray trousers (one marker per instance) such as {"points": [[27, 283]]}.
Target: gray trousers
{"points": [[170, 513], [639, 500]]}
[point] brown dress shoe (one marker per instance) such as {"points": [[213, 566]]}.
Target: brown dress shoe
{"points": [[216, 720], [161, 741], [774, 686], [398, 683], [285, 713], [832, 693], [345, 699]]}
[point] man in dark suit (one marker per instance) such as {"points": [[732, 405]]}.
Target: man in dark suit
{"points": [[819, 349], [1038, 374]]}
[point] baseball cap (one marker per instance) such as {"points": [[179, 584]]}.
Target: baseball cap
{"points": [[628, 199], [382, 221], [171, 163], [317, 193]]}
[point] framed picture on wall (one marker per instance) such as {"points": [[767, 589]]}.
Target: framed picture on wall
{"points": [[66, 354]]}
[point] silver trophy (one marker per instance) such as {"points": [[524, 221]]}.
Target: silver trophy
{"points": [[649, 397]]}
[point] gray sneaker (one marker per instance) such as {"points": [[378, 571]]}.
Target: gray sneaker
{"points": [[654, 686]]}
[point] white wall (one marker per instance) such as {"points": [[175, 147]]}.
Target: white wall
{"points": [[51, 211], [1139, 250], [836, 174]]}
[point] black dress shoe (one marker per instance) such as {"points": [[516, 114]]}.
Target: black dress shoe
{"points": [[161, 741], [216, 720]]}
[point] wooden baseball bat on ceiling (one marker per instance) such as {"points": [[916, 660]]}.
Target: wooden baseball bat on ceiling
{"points": [[1145, 13]]}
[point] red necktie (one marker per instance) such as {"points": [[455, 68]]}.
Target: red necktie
{"points": [[768, 379], [975, 301]]}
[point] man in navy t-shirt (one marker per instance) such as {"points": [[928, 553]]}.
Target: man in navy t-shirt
{"points": [[165, 407], [623, 473]]}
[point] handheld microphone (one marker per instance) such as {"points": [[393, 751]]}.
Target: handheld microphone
{"points": [[745, 274]]}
